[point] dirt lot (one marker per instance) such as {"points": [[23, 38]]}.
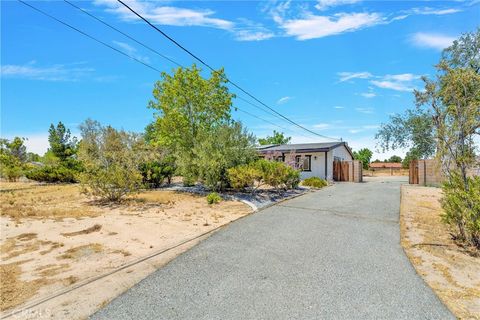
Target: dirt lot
{"points": [[53, 237], [385, 172], [452, 271]]}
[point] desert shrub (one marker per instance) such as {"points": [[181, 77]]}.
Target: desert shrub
{"points": [[52, 174], [154, 173], [11, 172], [228, 146], [462, 207], [314, 182], [291, 178], [13, 155], [244, 176], [213, 198], [275, 174], [111, 160], [278, 174]]}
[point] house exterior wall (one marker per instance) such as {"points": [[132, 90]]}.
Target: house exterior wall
{"points": [[317, 161], [318, 165], [342, 153]]}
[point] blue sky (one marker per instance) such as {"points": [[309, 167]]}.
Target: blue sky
{"points": [[338, 67]]}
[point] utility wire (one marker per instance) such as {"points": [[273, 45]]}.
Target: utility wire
{"points": [[178, 64], [133, 58], [123, 33], [89, 36], [213, 70]]}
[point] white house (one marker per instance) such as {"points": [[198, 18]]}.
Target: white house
{"points": [[314, 159]]}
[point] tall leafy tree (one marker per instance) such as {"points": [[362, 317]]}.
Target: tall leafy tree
{"points": [[364, 155], [453, 99], [190, 109], [394, 159], [13, 155], [412, 130], [62, 144], [276, 138]]}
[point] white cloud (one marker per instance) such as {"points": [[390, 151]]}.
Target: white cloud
{"points": [[322, 126], [398, 82], [247, 35], [132, 51], [326, 4], [160, 14], [338, 107], [368, 94], [284, 100], [393, 85], [314, 26], [248, 30], [368, 110], [402, 77], [57, 72], [355, 131], [434, 11], [432, 40], [345, 76]]}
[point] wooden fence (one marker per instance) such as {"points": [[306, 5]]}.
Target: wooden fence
{"points": [[351, 171], [425, 172]]}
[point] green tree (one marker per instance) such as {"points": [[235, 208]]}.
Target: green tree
{"points": [[60, 160], [62, 144], [111, 160], [276, 138], [228, 146], [412, 130], [33, 157], [364, 155], [409, 157], [191, 109], [395, 159], [13, 155], [453, 99]]}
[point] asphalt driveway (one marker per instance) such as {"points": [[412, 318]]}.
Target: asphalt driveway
{"points": [[333, 254]]}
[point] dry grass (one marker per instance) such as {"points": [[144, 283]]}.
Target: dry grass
{"points": [[452, 271], [25, 243], [93, 228], [53, 236], [13, 290], [44, 201], [81, 251]]}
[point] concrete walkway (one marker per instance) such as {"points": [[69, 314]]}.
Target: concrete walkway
{"points": [[332, 254]]}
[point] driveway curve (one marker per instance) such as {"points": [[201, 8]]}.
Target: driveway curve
{"points": [[332, 254]]}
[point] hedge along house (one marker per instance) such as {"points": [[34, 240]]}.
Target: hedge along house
{"points": [[313, 159]]}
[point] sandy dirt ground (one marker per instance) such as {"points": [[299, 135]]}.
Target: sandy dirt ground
{"points": [[53, 238], [385, 172], [452, 271]]}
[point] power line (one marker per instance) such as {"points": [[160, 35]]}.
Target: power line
{"points": [[123, 33], [176, 63], [89, 36], [133, 58], [213, 70]]}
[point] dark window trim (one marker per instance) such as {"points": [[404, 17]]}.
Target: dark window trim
{"points": [[309, 157]]}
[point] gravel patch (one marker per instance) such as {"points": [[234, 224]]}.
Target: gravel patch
{"points": [[258, 200]]}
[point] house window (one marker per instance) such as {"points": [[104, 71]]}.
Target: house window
{"points": [[304, 163]]}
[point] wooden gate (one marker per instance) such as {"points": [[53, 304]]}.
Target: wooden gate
{"points": [[341, 170], [413, 172]]}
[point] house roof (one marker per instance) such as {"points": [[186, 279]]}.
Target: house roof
{"points": [[303, 147], [388, 165]]}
